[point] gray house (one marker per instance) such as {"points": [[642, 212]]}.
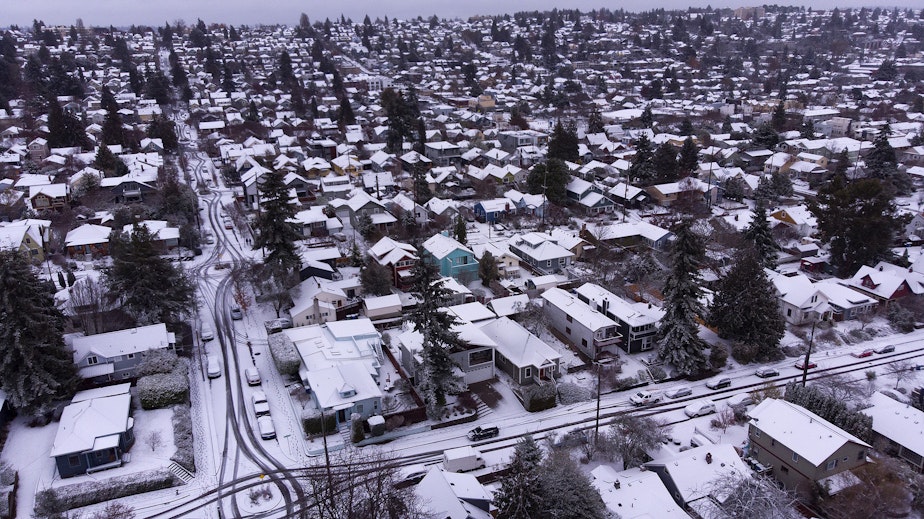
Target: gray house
{"points": [[638, 322], [590, 331], [113, 356], [95, 430], [541, 251]]}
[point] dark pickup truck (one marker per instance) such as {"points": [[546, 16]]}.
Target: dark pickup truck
{"points": [[482, 433]]}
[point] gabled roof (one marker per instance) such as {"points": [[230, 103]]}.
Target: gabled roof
{"points": [[441, 246], [691, 472], [897, 421], [517, 345], [87, 234], [800, 430], [454, 496], [339, 386], [123, 342], [577, 309]]}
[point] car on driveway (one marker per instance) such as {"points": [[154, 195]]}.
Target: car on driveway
{"points": [[678, 392], [801, 365], [862, 354], [700, 408], [482, 433], [885, 349], [767, 372]]}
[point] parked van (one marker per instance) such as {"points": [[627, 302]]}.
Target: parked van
{"points": [[206, 333], [266, 427], [462, 459], [213, 366]]}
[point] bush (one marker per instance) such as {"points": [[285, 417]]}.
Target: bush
{"points": [[157, 361], [569, 393], [284, 354], [718, 356], [314, 427], [356, 428], [53, 502], [744, 353], [625, 383], [164, 389], [183, 438], [657, 373], [900, 318], [539, 397]]}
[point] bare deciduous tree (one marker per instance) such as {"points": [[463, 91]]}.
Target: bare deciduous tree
{"points": [[900, 370], [841, 387], [154, 440], [633, 436], [742, 496], [89, 302]]}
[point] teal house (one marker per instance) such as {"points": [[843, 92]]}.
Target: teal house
{"points": [[454, 259]]}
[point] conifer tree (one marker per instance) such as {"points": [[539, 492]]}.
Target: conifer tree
{"points": [[758, 233], [745, 309], [641, 170], [35, 365], [520, 495], [664, 163], [487, 268], [563, 144], [275, 230], [779, 117], [688, 161], [436, 377], [460, 231], [678, 337]]}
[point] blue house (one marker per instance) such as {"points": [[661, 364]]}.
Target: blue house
{"points": [[453, 258], [492, 210]]}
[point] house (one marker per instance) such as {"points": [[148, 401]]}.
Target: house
{"points": [[402, 206], [491, 211], [570, 240], [803, 448], [345, 388], [638, 322], [94, 432], [635, 494], [316, 301], [38, 149], [590, 331], [508, 263], [88, 239], [379, 183], [362, 204], [450, 495], [886, 284], [399, 257], [113, 356], [511, 140], [26, 238], [801, 302], [846, 303], [627, 235], [673, 192], [442, 153], [627, 195], [474, 360], [798, 217], [129, 188], [453, 258], [541, 252], [51, 196], [690, 476], [588, 196], [163, 237], [522, 355], [336, 342], [533, 205], [508, 306], [314, 222], [383, 309], [899, 426]]}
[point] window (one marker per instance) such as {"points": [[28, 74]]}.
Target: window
{"points": [[569, 318], [815, 299], [92, 359], [359, 408], [795, 457], [861, 455], [528, 372], [480, 357], [73, 460], [757, 433], [831, 465], [131, 355], [789, 312], [584, 342], [784, 469], [567, 331]]}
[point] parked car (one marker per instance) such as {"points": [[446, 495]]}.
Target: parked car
{"points": [[740, 400], [862, 354], [645, 398], [266, 427], [885, 349], [213, 366], [236, 313], [260, 405], [206, 333], [700, 408], [767, 372], [482, 433], [801, 365], [678, 392], [719, 383], [411, 475], [252, 376]]}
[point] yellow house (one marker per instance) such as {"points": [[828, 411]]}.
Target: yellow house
{"points": [[23, 238], [347, 165]]}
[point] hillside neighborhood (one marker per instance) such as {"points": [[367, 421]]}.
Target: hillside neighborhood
{"points": [[604, 264]]}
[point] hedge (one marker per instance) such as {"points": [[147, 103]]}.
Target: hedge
{"points": [[93, 492], [539, 397], [165, 389], [157, 361], [183, 438], [284, 354], [313, 427]]}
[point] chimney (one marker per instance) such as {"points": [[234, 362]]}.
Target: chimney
{"points": [[616, 484], [709, 457]]}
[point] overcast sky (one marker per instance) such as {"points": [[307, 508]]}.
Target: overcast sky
{"points": [[156, 12]]}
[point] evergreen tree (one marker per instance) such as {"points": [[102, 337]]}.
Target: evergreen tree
{"points": [[686, 127], [113, 132], [275, 230], [487, 268], [164, 130], [108, 163], [520, 495], [346, 115], [778, 121], [858, 220], [727, 124], [646, 119], [781, 184], [563, 144], [765, 137], [436, 378], [153, 290], [688, 161], [64, 129], [678, 337], [595, 121], [808, 129], [550, 178], [460, 231], [641, 170], [758, 233], [842, 163], [881, 163], [567, 490], [37, 368], [375, 278], [664, 163], [746, 310]]}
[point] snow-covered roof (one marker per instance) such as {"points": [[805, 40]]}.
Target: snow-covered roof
{"points": [[123, 342], [341, 385], [633, 314], [692, 470], [805, 433], [440, 246], [454, 496], [336, 342], [517, 345], [577, 309], [897, 421], [92, 424], [506, 306], [473, 312], [640, 494]]}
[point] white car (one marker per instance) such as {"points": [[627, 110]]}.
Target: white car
{"points": [[266, 427], [206, 333], [260, 405], [213, 366], [699, 408], [678, 392]]}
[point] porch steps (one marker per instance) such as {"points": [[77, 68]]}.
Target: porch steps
{"points": [[184, 475], [483, 409]]}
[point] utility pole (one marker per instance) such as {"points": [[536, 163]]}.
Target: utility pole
{"points": [[597, 422], [805, 365]]}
